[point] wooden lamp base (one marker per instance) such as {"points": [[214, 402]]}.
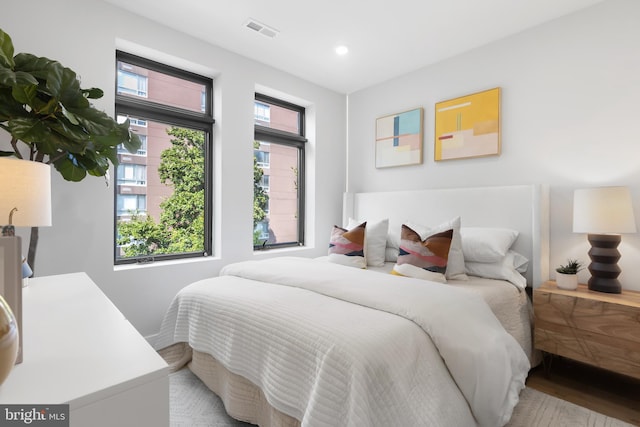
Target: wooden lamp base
{"points": [[604, 263]]}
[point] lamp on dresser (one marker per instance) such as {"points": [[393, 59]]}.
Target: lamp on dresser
{"points": [[25, 196], [604, 213]]}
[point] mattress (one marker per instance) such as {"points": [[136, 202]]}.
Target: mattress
{"points": [[348, 356]]}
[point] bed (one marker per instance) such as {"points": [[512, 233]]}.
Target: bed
{"points": [[294, 341]]}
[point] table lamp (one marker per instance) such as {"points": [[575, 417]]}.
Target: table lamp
{"points": [[25, 201], [25, 193], [604, 213]]}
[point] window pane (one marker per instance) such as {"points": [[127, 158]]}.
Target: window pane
{"points": [[132, 84], [162, 208], [160, 195], [136, 81], [276, 117], [276, 188]]}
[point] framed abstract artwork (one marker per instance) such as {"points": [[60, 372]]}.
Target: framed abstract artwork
{"points": [[399, 139], [468, 126]]}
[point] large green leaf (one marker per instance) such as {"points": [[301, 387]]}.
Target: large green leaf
{"points": [[120, 135], [69, 131], [112, 155], [130, 140], [24, 94], [94, 163], [6, 50], [9, 107], [37, 66], [94, 121], [70, 116], [93, 93], [28, 129], [46, 137], [45, 107], [12, 78], [63, 83], [69, 170]]}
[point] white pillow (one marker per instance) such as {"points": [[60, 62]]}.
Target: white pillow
{"points": [[485, 244], [455, 263], [508, 268], [393, 244], [391, 254], [375, 240]]}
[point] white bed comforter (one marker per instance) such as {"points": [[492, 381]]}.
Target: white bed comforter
{"points": [[336, 346]]}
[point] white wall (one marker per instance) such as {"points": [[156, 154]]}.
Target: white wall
{"points": [[570, 119], [83, 35]]}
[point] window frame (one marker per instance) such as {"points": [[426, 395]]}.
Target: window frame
{"points": [[290, 139], [174, 116]]}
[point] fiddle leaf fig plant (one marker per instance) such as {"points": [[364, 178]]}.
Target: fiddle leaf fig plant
{"points": [[50, 119]]}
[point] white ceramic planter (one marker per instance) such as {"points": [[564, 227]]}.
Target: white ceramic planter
{"points": [[566, 281]]}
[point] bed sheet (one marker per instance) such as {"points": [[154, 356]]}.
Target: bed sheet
{"points": [[321, 360], [510, 305]]}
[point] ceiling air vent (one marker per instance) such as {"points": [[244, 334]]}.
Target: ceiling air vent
{"points": [[263, 29]]}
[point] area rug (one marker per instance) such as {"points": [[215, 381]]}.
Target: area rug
{"points": [[194, 405]]}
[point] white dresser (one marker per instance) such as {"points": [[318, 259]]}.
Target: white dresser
{"points": [[79, 349]]}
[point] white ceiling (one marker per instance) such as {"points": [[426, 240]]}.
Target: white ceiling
{"points": [[385, 38]]}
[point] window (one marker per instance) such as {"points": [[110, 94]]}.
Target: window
{"points": [[262, 113], [262, 231], [264, 183], [132, 84], [132, 204], [262, 156], [138, 122], [278, 214], [163, 192], [132, 174], [142, 151]]}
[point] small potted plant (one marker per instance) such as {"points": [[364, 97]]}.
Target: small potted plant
{"points": [[567, 274]]}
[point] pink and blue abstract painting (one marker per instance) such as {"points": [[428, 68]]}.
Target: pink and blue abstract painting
{"points": [[399, 139]]}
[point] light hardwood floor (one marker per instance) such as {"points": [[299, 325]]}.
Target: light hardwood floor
{"points": [[602, 391]]}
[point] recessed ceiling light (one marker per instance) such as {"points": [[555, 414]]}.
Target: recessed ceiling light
{"points": [[342, 50]]}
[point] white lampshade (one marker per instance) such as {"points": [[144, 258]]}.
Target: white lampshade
{"points": [[603, 210], [25, 185]]}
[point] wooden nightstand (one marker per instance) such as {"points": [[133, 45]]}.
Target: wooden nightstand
{"points": [[596, 328]]}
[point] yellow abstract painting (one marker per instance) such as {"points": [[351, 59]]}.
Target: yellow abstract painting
{"points": [[468, 126]]}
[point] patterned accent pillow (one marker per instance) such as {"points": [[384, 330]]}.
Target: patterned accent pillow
{"points": [[376, 238], [346, 247], [423, 258], [455, 262]]}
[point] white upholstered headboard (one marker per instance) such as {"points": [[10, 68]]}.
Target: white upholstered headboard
{"points": [[521, 207]]}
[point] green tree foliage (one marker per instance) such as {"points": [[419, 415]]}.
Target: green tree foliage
{"points": [[260, 197], [141, 236], [181, 227]]}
